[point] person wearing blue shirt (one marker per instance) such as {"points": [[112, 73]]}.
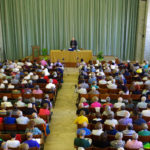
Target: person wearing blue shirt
{"points": [[87, 131], [9, 119], [31, 142], [112, 130], [93, 78], [139, 121]]}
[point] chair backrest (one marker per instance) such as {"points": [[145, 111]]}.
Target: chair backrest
{"points": [[144, 138], [136, 96], [10, 127], [21, 127]]}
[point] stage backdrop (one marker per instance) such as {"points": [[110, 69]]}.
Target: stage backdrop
{"points": [[100, 25]]}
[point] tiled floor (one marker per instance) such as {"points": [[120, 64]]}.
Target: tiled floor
{"points": [[63, 130]]}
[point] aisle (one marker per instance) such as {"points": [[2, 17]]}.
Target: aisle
{"points": [[62, 128]]}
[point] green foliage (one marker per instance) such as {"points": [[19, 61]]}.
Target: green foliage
{"points": [[44, 52], [100, 56]]}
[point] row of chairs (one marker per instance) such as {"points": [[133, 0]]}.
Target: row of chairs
{"points": [[112, 96], [118, 127]]}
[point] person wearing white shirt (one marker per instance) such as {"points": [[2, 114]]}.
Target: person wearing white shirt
{"points": [[2, 86], [119, 103], [122, 112], [13, 143], [10, 86], [112, 85], [82, 91], [98, 129], [142, 104], [46, 72], [7, 104], [102, 81], [37, 119], [146, 113], [21, 119], [50, 85], [147, 82], [19, 103], [111, 121]]}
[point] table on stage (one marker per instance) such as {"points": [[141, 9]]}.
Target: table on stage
{"points": [[70, 56]]}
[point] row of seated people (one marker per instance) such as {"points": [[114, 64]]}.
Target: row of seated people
{"points": [[103, 130], [27, 115], [119, 107]]}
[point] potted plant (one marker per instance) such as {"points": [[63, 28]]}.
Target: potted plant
{"points": [[100, 56]]}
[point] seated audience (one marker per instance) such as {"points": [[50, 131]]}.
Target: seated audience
{"points": [[14, 110], [19, 103], [84, 85], [23, 146], [112, 130], [9, 119], [81, 141], [21, 119], [107, 102], [37, 119], [126, 120], [107, 111], [5, 102], [146, 112], [3, 110], [139, 121], [29, 110], [95, 102], [142, 104], [44, 110], [93, 91], [110, 120], [13, 143], [119, 103], [122, 112], [47, 101], [97, 118], [37, 90], [81, 90], [32, 129], [129, 130], [82, 108], [130, 104], [112, 84], [84, 127], [84, 102], [145, 131], [30, 141], [98, 130], [81, 118], [118, 142], [50, 85], [134, 143], [102, 141], [94, 84]]}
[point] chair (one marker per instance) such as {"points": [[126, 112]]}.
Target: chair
{"points": [[103, 91], [96, 148], [5, 137], [111, 137], [40, 126], [1, 127], [10, 127], [103, 96], [114, 96], [147, 119], [121, 127], [126, 138], [27, 96], [38, 96], [144, 138], [15, 96], [137, 128], [21, 127], [113, 91], [86, 96], [45, 117], [136, 96]]}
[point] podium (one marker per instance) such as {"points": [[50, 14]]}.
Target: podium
{"points": [[36, 53]]}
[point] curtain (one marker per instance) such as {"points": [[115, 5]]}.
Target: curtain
{"points": [[100, 25]]}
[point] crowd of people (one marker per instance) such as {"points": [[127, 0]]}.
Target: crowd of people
{"points": [[37, 80], [120, 123]]}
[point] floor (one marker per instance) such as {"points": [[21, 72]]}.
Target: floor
{"points": [[63, 130]]}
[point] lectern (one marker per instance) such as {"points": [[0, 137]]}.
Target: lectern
{"points": [[35, 52]]}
